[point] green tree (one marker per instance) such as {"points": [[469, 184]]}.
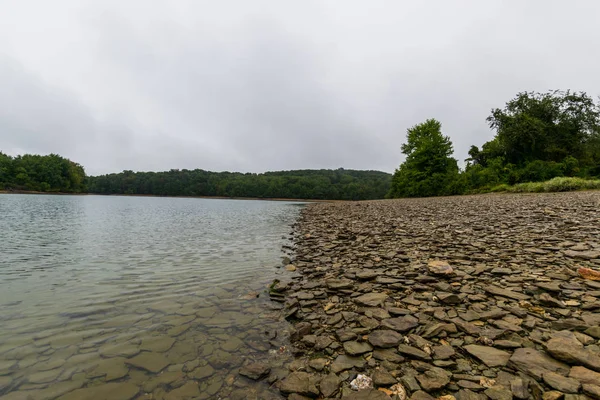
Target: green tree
{"points": [[546, 126], [429, 169]]}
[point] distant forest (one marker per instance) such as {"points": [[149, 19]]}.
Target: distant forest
{"points": [[53, 173], [539, 136], [339, 184]]}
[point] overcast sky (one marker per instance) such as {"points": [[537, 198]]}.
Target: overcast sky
{"points": [[270, 85]]}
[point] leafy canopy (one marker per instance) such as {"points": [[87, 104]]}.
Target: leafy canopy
{"points": [[429, 169]]}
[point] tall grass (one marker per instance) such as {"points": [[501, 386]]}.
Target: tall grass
{"points": [[560, 184]]}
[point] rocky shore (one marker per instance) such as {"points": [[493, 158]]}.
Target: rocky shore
{"points": [[467, 298]]}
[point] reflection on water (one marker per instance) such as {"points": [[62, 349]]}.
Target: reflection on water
{"points": [[132, 297]]}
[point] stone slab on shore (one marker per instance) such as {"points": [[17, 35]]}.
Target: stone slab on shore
{"points": [[471, 297]]}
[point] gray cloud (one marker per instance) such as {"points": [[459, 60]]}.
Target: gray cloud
{"points": [[267, 85]]}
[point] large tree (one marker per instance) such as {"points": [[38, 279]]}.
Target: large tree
{"points": [[429, 169], [546, 126]]}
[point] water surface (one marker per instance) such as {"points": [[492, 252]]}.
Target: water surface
{"points": [[138, 297]]}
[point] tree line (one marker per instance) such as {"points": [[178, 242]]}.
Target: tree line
{"points": [[51, 173], [339, 184], [538, 136]]}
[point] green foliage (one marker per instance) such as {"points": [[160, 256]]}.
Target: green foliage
{"points": [[545, 126], [337, 184], [559, 184], [429, 169], [51, 173], [539, 136]]}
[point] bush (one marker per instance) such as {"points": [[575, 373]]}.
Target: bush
{"points": [[560, 184]]}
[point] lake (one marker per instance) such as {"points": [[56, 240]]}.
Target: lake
{"points": [[139, 297]]}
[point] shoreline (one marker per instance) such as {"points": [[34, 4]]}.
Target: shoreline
{"points": [[469, 296], [32, 192]]}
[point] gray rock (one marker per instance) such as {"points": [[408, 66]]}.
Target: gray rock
{"points": [[387, 355], [413, 352], [255, 371], [344, 362], [498, 291], [535, 363], [488, 355], [591, 390], [571, 350], [421, 395], [433, 379], [301, 383], [400, 324], [585, 375], [384, 338], [330, 385], [466, 394], [367, 394], [448, 298], [371, 299], [498, 393], [519, 388], [383, 378], [357, 348], [561, 383]]}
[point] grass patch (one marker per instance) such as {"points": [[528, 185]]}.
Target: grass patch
{"points": [[560, 184]]}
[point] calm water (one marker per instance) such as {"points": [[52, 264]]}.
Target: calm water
{"points": [[133, 297]]}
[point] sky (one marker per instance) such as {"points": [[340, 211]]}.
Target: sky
{"points": [[258, 85]]}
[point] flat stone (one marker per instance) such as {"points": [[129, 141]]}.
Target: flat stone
{"points": [[255, 370], [466, 394], [437, 267], [152, 362], [232, 344], [338, 284], [421, 395], [158, 344], [318, 364], [585, 375], [329, 385], [383, 378], [448, 298], [591, 390], [203, 372], [488, 355], [413, 352], [357, 348], [108, 391], [385, 338], [166, 378], [498, 392], [535, 363], [45, 376], [371, 299], [401, 324], [561, 383], [367, 394], [301, 383], [344, 362], [443, 352], [390, 355], [498, 291], [571, 350], [433, 379], [189, 390], [119, 350]]}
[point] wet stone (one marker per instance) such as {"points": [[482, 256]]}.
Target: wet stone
{"points": [[301, 383], [255, 370], [152, 362]]}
